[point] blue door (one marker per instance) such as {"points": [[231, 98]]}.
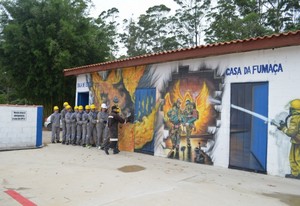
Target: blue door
{"points": [[259, 127], [145, 99], [82, 98], [248, 134]]}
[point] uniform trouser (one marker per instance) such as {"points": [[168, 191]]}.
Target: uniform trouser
{"points": [[64, 130], [73, 132], [295, 159], [92, 134], [113, 141], [175, 137], [68, 133], [106, 141], [113, 144], [79, 134], [84, 134], [88, 133], [55, 133], [188, 134], [101, 130]]}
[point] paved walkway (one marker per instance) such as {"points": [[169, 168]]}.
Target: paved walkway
{"points": [[61, 175]]}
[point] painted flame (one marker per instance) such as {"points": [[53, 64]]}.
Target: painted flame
{"points": [[202, 106], [131, 78]]}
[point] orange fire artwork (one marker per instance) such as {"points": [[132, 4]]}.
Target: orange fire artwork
{"points": [[199, 96], [130, 77], [131, 136]]}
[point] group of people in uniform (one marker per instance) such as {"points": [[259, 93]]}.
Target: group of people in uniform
{"points": [[87, 128]]}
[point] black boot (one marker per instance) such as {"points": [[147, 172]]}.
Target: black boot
{"points": [[171, 154], [177, 153], [106, 151], [116, 150], [292, 176]]}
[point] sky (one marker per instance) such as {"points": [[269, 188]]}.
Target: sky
{"points": [[129, 8]]}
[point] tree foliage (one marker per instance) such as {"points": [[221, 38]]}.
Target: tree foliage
{"points": [[190, 20], [43, 38], [240, 19], [150, 33]]}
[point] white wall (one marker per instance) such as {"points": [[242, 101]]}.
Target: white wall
{"points": [[283, 87], [82, 85], [20, 127]]}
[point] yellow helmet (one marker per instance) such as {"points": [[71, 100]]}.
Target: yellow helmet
{"points": [[87, 107], [68, 107], [76, 107], [93, 106], [295, 104], [55, 108], [65, 104], [80, 107]]}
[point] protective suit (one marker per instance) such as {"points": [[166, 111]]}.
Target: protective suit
{"points": [[85, 126], [73, 126], [92, 135], [79, 120], [292, 129], [55, 121], [113, 121], [101, 126], [63, 122], [68, 119]]}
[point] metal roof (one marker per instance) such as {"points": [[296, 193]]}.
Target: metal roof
{"points": [[236, 46]]}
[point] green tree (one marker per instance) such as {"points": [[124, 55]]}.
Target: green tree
{"points": [[108, 33], [190, 20], [235, 19], [131, 38], [282, 15], [151, 33], [241, 19], [43, 38]]}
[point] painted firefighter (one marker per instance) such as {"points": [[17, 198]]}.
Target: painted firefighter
{"points": [[190, 115], [175, 117], [291, 127]]}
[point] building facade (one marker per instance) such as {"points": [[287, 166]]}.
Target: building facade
{"points": [[217, 104]]}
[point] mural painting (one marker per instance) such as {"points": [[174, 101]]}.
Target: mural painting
{"points": [[180, 117], [122, 85], [289, 125], [183, 101], [188, 114]]}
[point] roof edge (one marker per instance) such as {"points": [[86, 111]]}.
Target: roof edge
{"points": [[235, 46]]}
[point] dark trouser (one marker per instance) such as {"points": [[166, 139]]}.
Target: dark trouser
{"points": [[111, 143]]}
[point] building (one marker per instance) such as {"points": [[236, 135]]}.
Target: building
{"points": [[209, 104]]}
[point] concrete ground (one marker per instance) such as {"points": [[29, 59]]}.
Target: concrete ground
{"points": [[71, 175]]}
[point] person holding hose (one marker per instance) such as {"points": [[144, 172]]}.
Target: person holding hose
{"points": [[113, 121], [291, 127]]}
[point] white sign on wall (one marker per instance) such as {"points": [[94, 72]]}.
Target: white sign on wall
{"points": [[19, 115]]}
